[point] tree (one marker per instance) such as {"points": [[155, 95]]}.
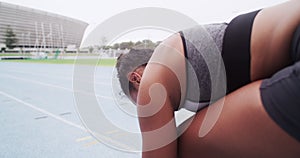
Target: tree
{"points": [[148, 44], [145, 44], [91, 49], [126, 45], [116, 46], [10, 38], [138, 43]]}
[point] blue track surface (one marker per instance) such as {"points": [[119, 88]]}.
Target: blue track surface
{"points": [[38, 116]]}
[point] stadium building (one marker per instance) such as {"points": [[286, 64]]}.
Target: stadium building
{"points": [[39, 29]]}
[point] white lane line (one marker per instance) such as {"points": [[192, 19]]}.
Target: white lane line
{"points": [[43, 111], [91, 143], [56, 86], [112, 131], [84, 138], [103, 137]]}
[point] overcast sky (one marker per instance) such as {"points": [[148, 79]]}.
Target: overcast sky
{"points": [[96, 11]]}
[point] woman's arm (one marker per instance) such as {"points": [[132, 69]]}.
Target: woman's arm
{"points": [[160, 93], [156, 116], [159, 132]]}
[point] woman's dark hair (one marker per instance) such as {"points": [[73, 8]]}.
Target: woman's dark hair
{"points": [[129, 62]]}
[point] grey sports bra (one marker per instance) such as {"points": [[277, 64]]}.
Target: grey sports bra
{"points": [[202, 48]]}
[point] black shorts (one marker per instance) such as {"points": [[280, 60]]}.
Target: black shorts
{"points": [[280, 94], [236, 50]]}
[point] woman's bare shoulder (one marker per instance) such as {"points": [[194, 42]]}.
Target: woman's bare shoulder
{"points": [[167, 68]]}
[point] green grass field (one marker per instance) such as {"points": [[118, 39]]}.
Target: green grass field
{"points": [[101, 62], [14, 54]]}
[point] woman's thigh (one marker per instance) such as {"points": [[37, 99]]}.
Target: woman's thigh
{"points": [[243, 129], [271, 38]]}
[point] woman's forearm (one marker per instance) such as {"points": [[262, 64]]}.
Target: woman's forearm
{"points": [[159, 132], [156, 118]]}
